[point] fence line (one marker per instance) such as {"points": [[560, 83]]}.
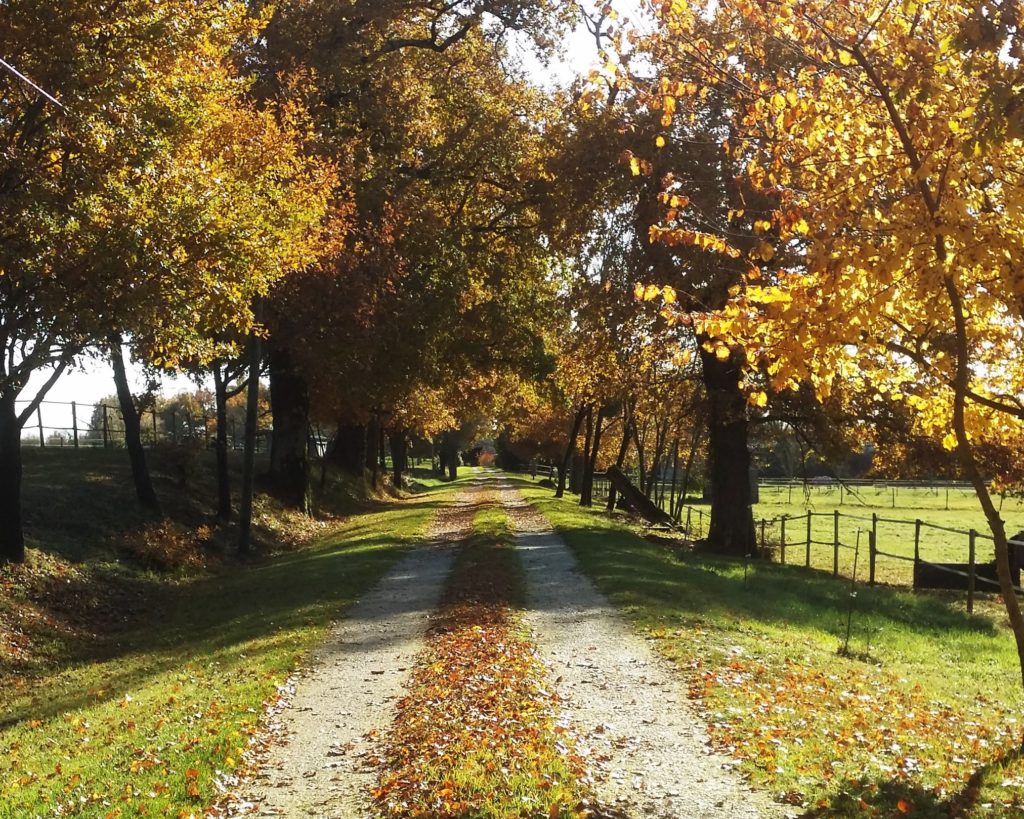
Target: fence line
{"points": [[772, 535], [101, 425]]}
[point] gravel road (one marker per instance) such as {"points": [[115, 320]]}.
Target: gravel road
{"points": [[347, 697], [646, 744]]}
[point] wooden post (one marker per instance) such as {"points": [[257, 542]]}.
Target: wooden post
{"points": [[688, 511], [106, 427], [971, 570], [762, 535], [152, 414], [206, 430], [174, 425], [39, 421], [872, 548], [835, 541], [808, 561], [916, 549], [894, 497], [947, 498], [782, 540], [74, 422]]}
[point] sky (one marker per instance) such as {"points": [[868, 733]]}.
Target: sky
{"points": [[92, 381]]}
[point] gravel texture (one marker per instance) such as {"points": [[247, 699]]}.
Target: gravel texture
{"points": [[346, 699], [647, 745]]}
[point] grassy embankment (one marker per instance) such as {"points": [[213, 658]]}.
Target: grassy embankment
{"points": [[923, 719], [128, 691]]}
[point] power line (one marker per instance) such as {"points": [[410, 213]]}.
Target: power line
{"points": [[26, 80]]}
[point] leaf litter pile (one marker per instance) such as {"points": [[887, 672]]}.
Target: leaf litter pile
{"points": [[479, 733]]}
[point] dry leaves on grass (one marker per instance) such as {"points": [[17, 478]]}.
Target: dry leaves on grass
{"points": [[852, 740], [477, 734]]}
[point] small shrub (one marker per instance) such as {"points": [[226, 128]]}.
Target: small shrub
{"points": [[167, 546], [180, 461]]}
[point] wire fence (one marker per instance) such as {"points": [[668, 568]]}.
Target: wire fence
{"points": [[861, 544], [101, 425]]}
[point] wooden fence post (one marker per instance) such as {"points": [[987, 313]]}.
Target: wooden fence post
{"points": [[687, 535], [835, 542], [74, 422], [807, 563], [174, 425], [971, 570], [872, 548], [156, 436], [39, 421], [917, 549], [106, 427], [762, 535], [782, 540]]}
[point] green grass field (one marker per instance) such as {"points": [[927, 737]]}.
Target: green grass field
{"points": [[897, 508], [929, 697], [856, 510]]}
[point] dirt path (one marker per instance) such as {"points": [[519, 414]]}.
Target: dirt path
{"points": [[646, 743], [322, 768]]}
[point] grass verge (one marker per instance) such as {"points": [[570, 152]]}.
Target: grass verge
{"points": [[922, 720], [157, 724], [477, 733]]}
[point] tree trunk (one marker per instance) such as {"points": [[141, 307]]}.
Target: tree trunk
{"points": [[399, 455], [348, 450], [252, 407], [732, 520], [579, 460], [132, 429], [288, 478], [448, 456], [620, 459], [641, 453], [587, 493], [660, 433], [220, 391], [12, 536], [685, 488], [675, 479], [970, 465], [569, 448], [373, 450]]}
